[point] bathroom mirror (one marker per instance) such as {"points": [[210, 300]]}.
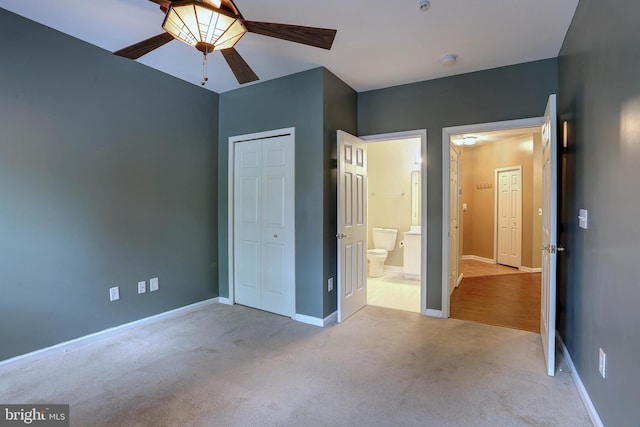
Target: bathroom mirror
{"points": [[416, 193]]}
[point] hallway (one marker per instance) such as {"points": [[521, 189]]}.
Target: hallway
{"points": [[497, 295]]}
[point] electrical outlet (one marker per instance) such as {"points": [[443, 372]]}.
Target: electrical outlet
{"points": [[330, 284], [153, 284], [114, 293], [142, 287], [602, 364]]}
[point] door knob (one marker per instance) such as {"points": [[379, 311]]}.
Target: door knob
{"points": [[545, 247], [275, 235], [342, 236]]}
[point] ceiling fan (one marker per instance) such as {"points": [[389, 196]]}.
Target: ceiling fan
{"points": [[210, 25]]}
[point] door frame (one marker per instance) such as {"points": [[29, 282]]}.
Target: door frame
{"points": [[496, 208], [422, 134], [447, 132], [230, 206]]}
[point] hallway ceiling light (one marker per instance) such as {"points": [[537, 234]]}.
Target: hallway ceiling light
{"points": [[466, 141]]}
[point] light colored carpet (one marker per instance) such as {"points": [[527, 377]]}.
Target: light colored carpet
{"points": [[234, 366]]}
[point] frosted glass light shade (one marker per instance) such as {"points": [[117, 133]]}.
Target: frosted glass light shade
{"points": [[202, 25]]}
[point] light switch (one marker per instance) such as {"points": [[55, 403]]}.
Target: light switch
{"points": [[464, 207], [539, 211], [583, 219]]}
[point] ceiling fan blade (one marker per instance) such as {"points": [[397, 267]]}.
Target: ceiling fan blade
{"points": [[316, 37], [242, 71], [135, 51], [162, 3], [230, 6]]}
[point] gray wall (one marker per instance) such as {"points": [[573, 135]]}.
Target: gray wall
{"points": [[107, 177], [598, 274], [340, 112], [507, 93], [292, 101]]}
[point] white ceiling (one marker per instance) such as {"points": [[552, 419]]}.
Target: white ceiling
{"points": [[380, 43]]}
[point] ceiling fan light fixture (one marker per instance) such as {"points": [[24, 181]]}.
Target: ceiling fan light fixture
{"points": [[202, 25]]}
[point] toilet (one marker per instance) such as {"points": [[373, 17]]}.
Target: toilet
{"points": [[384, 240]]}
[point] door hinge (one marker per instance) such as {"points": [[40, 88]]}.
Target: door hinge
{"points": [[555, 249]]}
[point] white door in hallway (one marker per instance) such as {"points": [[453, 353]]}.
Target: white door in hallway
{"points": [[549, 234], [509, 216], [263, 223], [454, 189], [352, 225]]}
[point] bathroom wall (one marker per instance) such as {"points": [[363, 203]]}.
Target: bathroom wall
{"points": [[478, 165], [390, 164]]}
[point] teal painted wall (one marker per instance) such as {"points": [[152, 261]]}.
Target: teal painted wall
{"points": [[292, 101], [598, 292], [106, 179], [507, 93]]}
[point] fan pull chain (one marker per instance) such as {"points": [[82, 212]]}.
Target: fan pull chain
{"points": [[205, 78]]}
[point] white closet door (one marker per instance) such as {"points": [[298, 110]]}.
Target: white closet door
{"points": [[248, 223], [264, 266]]}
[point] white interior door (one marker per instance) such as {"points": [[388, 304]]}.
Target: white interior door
{"points": [[509, 201], [264, 224], [352, 225], [549, 234], [454, 189]]}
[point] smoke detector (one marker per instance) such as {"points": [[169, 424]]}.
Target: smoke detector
{"points": [[449, 59], [424, 5]]}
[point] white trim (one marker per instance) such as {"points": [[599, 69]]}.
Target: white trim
{"points": [[460, 277], [316, 321], [65, 346], [530, 270], [582, 391], [393, 269], [223, 300], [422, 134], [230, 203], [479, 258], [446, 137], [434, 313]]}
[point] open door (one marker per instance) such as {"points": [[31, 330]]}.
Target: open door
{"points": [[352, 225], [549, 234], [454, 188]]}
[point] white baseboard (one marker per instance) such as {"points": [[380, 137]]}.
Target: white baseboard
{"points": [[584, 395], [434, 313], [65, 346], [478, 258], [530, 270], [316, 321], [332, 318], [393, 269], [225, 301]]}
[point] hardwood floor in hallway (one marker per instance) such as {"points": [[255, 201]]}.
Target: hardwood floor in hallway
{"points": [[504, 296]]}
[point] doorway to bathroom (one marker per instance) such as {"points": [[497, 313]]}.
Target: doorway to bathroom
{"points": [[396, 213]]}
